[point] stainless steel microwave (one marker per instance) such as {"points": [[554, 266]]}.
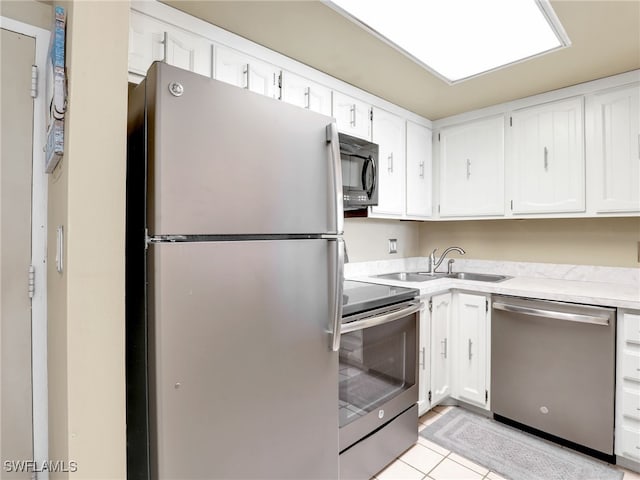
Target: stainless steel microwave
{"points": [[359, 172]]}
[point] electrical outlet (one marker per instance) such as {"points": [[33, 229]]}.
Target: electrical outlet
{"points": [[393, 245]]}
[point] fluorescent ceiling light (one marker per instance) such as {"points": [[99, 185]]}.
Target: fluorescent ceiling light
{"points": [[460, 39]]}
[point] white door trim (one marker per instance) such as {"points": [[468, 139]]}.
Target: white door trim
{"points": [[39, 246]]}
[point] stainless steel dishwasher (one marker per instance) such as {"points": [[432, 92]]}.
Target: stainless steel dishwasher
{"points": [[553, 369]]}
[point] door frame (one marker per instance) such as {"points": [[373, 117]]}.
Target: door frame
{"points": [[40, 389]]}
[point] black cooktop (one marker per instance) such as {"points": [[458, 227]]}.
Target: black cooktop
{"points": [[360, 297]]}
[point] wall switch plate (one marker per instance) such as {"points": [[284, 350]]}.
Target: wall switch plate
{"points": [[393, 245]]}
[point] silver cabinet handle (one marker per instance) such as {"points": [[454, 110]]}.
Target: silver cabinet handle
{"points": [[571, 317], [352, 111], [639, 146], [334, 141], [337, 298], [444, 348], [470, 346], [165, 41], [421, 170], [247, 75], [546, 158], [423, 363], [307, 97], [468, 168], [390, 162], [412, 307]]}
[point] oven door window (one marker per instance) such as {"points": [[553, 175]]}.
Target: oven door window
{"points": [[376, 365]]}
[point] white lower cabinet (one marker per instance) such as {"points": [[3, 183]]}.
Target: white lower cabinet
{"points": [[471, 334], [627, 440], [453, 359], [440, 306]]}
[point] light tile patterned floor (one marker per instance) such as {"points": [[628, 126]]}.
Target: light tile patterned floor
{"points": [[428, 461]]}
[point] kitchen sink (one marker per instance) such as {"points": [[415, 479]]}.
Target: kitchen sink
{"points": [[424, 276], [411, 276], [478, 277]]}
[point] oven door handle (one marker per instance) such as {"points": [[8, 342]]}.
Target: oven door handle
{"points": [[381, 319]]}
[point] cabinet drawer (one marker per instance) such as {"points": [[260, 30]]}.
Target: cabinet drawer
{"points": [[631, 404], [630, 366], [629, 443], [632, 328]]}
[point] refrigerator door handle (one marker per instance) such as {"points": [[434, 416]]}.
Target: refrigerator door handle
{"points": [[332, 138], [337, 298]]}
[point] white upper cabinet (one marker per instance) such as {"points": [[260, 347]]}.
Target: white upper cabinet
{"points": [[470, 334], [419, 171], [613, 149], [352, 116], [547, 158], [247, 72], [389, 134], [304, 93], [151, 40], [472, 168]]}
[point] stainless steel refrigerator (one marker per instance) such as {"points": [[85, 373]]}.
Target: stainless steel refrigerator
{"points": [[234, 283]]}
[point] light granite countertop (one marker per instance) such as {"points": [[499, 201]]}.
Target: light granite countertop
{"points": [[604, 286]]}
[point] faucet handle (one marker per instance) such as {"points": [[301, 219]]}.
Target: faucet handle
{"points": [[433, 254]]}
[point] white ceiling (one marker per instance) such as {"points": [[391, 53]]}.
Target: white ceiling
{"points": [[605, 36]]}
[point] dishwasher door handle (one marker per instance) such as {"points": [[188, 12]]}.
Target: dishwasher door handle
{"points": [[538, 312]]}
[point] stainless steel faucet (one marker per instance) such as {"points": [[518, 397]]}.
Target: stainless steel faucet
{"points": [[433, 265]]}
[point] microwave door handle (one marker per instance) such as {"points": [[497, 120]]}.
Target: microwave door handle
{"points": [[373, 178]]}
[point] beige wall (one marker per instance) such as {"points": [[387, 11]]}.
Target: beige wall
{"points": [[32, 12], [367, 239], [602, 241], [86, 197]]}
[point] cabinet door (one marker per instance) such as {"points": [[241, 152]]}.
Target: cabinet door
{"points": [[419, 171], [472, 168], [151, 40], [304, 93], [389, 134], [613, 149], [548, 158], [424, 363], [470, 349], [247, 72], [440, 347], [352, 116]]}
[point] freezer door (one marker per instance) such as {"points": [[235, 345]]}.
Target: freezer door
{"points": [[223, 160], [243, 382]]}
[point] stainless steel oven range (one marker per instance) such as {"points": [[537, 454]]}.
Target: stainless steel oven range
{"points": [[378, 389]]}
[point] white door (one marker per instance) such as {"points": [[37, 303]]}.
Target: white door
{"points": [[389, 133], [419, 171], [304, 93], [352, 116], [247, 72], [16, 421], [472, 168], [548, 158], [440, 347], [613, 149], [470, 333]]}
